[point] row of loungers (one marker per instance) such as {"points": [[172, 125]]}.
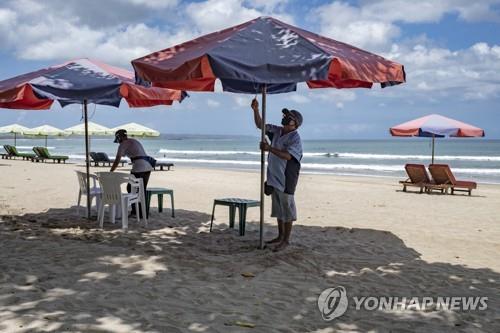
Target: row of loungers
{"points": [[442, 179], [102, 159], [41, 154]]}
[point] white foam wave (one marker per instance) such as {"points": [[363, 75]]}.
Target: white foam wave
{"points": [[341, 155], [337, 167], [192, 160], [208, 152], [418, 157]]}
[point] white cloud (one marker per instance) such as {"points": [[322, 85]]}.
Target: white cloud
{"points": [[357, 128], [298, 98], [212, 103], [242, 101], [351, 26], [334, 95], [440, 73], [155, 4], [53, 36], [212, 15], [268, 6], [373, 24]]}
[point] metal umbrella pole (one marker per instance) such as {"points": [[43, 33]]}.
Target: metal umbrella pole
{"points": [[262, 167], [433, 139], [15, 137], [87, 160]]}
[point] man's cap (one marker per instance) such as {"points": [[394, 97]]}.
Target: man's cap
{"points": [[295, 115], [120, 133]]}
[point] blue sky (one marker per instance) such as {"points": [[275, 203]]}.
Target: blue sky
{"points": [[450, 49]]}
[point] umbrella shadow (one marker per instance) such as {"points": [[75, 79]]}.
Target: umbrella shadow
{"points": [[175, 276]]}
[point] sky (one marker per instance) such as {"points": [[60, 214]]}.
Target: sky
{"points": [[450, 50]]}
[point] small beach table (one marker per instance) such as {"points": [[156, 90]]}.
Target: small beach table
{"points": [[159, 191], [233, 203]]}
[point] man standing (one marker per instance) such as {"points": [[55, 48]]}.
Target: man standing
{"points": [[285, 153], [141, 165]]}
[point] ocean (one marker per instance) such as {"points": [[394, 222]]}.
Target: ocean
{"points": [[471, 159]]}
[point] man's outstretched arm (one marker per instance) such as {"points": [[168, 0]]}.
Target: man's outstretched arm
{"points": [[256, 113], [118, 158]]}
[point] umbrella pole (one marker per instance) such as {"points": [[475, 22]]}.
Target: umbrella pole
{"points": [[433, 139], [15, 134], [46, 141], [262, 167], [87, 161]]}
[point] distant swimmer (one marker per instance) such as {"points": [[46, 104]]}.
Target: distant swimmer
{"points": [[332, 155]]}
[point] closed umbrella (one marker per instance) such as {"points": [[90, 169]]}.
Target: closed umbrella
{"points": [[435, 125], [81, 81], [13, 129], [46, 131], [134, 129], [264, 56]]}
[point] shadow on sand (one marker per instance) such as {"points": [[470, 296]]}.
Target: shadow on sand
{"points": [[60, 273]]}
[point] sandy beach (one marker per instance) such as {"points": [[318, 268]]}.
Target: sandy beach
{"points": [[60, 273]]}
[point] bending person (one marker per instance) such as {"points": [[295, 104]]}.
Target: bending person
{"points": [[141, 163]]}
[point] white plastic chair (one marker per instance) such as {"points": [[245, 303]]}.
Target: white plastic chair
{"points": [[112, 196], [137, 187], [95, 191]]}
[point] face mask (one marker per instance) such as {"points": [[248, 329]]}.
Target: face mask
{"points": [[286, 121]]}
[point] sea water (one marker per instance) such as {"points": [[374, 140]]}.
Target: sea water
{"points": [[470, 158]]}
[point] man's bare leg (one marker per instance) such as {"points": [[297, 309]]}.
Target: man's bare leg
{"points": [[287, 230], [281, 232]]}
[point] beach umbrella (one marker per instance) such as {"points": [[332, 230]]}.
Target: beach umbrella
{"points": [[92, 128], [134, 129], [46, 131], [81, 81], [265, 56], [13, 129], [436, 126]]}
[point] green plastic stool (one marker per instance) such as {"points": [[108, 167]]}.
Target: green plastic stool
{"points": [[160, 191], [233, 203]]}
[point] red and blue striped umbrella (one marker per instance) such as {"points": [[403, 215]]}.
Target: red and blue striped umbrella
{"points": [[435, 125], [265, 55], [81, 81], [265, 52]]}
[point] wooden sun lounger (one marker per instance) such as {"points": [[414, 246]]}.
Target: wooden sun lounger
{"points": [[418, 177], [442, 175], [43, 154], [12, 153], [101, 157]]}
